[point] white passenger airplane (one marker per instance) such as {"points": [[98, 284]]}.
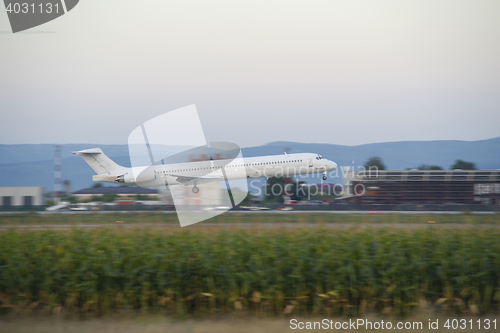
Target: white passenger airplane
{"points": [[194, 173]]}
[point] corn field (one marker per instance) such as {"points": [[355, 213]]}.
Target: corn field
{"points": [[266, 273]]}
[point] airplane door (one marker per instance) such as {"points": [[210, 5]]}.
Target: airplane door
{"points": [[310, 162]]}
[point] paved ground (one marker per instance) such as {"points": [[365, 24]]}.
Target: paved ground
{"points": [[262, 212], [230, 325]]}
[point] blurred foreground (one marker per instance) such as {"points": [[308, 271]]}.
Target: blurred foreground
{"points": [[154, 324], [246, 268]]}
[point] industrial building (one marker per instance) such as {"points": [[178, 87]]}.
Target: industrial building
{"points": [[424, 186], [21, 196]]}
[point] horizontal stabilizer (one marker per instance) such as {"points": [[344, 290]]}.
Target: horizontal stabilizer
{"points": [[88, 151]]}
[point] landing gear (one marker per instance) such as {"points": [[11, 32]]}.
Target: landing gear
{"points": [[195, 189], [324, 175]]}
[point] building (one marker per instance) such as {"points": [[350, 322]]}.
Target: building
{"points": [[121, 191], [424, 186], [21, 196]]}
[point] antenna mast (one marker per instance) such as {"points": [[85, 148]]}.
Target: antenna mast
{"points": [[57, 174]]}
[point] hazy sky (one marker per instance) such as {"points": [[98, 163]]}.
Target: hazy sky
{"points": [[345, 72]]}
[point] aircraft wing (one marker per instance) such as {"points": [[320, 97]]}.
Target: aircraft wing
{"points": [[196, 179]]}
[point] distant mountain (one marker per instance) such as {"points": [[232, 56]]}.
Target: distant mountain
{"points": [[33, 165], [401, 155]]}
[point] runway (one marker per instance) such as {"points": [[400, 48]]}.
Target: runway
{"points": [[261, 212]]}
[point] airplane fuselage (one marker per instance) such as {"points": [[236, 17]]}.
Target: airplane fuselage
{"points": [[191, 173]]}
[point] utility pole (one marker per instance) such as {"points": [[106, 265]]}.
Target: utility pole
{"points": [[57, 174]]}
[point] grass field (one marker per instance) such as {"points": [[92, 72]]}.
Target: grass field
{"points": [[258, 272], [252, 218]]}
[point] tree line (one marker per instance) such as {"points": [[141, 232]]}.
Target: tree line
{"points": [[376, 161]]}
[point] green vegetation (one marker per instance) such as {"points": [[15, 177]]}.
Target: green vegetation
{"points": [[459, 164], [275, 188], [71, 199], [429, 167], [311, 271], [374, 163], [144, 197], [149, 218]]}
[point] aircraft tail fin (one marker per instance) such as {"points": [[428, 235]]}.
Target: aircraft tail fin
{"points": [[98, 161]]}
